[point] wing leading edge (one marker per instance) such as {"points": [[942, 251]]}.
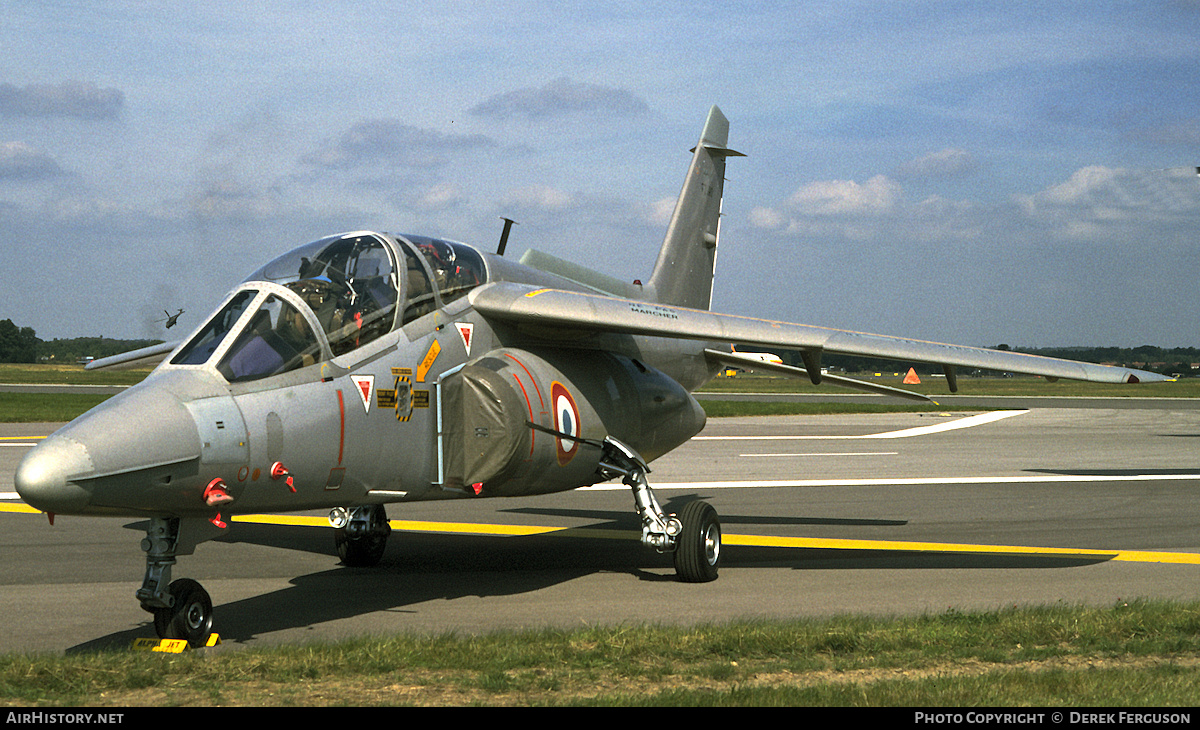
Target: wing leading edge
{"points": [[575, 312], [143, 358]]}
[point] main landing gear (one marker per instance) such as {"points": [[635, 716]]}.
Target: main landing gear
{"points": [[182, 609], [693, 537], [361, 534]]}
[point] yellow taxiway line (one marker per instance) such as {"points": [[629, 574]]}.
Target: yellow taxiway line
{"points": [[804, 543], [810, 543]]}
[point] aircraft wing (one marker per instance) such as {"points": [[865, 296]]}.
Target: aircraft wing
{"points": [[557, 311], [141, 358], [741, 361]]}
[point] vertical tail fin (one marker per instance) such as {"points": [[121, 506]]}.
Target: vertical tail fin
{"points": [[683, 274]]}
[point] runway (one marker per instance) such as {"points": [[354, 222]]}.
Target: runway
{"points": [[881, 514]]}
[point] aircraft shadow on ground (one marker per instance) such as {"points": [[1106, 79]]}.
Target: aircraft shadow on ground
{"points": [[422, 567]]}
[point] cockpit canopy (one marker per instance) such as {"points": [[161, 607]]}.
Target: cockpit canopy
{"points": [[330, 297], [349, 283]]}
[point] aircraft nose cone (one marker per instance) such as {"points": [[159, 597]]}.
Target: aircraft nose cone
{"points": [[126, 455], [43, 478]]}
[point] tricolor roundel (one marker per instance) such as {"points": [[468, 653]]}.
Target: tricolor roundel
{"points": [[566, 420]]}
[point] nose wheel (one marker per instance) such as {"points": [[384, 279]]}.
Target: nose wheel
{"points": [[189, 616], [182, 609]]}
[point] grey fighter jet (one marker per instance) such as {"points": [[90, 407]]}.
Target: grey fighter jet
{"points": [[370, 369]]}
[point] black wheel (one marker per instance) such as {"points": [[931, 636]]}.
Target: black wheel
{"points": [[361, 552], [698, 550], [190, 616], [361, 542]]}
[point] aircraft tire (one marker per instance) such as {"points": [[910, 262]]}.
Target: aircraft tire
{"points": [[190, 617], [698, 551], [363, 552]]}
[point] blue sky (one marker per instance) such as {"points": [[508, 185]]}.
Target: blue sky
{"points": [[976, 173]]}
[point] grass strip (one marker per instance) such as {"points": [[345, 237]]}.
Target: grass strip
{"points": [[46, 407], [729, 409], [43, 374], [1131, 654]]}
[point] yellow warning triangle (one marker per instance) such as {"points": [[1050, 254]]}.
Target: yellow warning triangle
{"points": [[911, 378]]}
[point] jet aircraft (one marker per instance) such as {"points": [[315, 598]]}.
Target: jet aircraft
{"points": [[370, 369]]}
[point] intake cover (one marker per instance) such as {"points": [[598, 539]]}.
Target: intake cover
{"points": [[488, 405]]}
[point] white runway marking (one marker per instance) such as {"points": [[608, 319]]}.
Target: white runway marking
{"points": [[1038, 479], [968, 422], [828, 453]]}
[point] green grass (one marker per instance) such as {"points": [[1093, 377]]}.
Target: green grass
{"points": [[68, 375], [725, 409], [45, 407], [1133, 655]]}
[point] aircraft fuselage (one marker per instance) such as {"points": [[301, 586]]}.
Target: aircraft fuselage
{"points": [[390, 420]]}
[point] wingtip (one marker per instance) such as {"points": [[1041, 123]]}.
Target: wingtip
{"points": [[1142, 376]]}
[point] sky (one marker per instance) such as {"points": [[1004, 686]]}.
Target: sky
{"points": [[973, 173]]}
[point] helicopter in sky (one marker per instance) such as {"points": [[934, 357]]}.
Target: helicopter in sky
{"points": [[170, 319]]}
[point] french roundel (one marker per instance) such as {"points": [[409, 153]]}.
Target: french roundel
{"points": [[566, 420]]}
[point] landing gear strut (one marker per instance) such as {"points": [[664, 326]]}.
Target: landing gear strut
{"points": [[693, 538], [182, 609], [361, 534]]}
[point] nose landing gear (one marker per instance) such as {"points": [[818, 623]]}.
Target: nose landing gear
{"points": [[182, 609]]}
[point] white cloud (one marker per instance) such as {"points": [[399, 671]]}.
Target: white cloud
{"points": [[873, 211], [877, 196], [944, 163], [538, 196], [21, 162], [1085, 187], [662, 210], [764, 217], [1116, 204], [441, 196]]}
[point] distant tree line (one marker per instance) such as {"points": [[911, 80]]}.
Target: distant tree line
{"points": [[21, 345], [17, 344]]}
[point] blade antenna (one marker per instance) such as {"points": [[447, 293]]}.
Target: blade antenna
{"points": [[508, 224]]}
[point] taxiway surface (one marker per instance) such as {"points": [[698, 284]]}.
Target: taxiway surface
{"points": [[882, 514]]}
